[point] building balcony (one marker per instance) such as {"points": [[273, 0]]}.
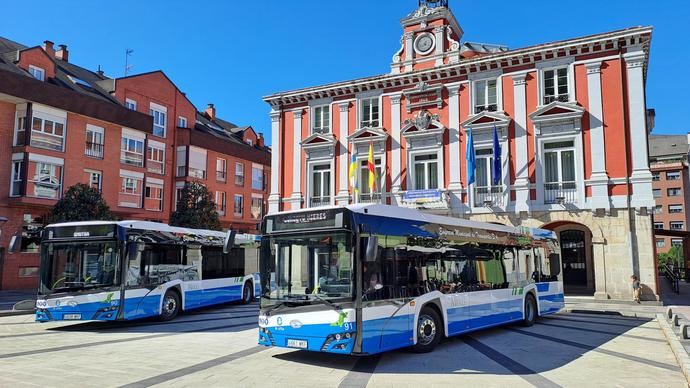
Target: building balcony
{"points": [[370, 198], [319, 201], [132, 158], [565, 97], [47, 141], [489, 196], [94, 150], [560, 192]]}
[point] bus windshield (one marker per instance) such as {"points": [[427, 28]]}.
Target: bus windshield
{"points": [[76, 266], [307, 267]]}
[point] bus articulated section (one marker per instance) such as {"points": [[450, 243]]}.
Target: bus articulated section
{"points": [[134, 269], [363, 279]]}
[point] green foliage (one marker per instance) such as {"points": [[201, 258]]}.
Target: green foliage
{"points": [[195, 208], [80, 203], [674, 255]]}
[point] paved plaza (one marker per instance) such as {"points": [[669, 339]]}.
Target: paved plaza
{"points": [[217, 347]]}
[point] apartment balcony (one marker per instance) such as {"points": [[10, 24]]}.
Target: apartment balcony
{"points": [[132, 158], [94, 150], [319, 201], [129, 200], [434, 199], [565, 97], [44, 187], [560, 192], [489, 196], [155, 166]]}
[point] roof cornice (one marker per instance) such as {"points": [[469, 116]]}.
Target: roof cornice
{"points": [[592, 44]]}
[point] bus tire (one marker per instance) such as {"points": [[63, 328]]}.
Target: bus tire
{"points": [[429, 330], [171, 305], [247, 294], [530, 311]]}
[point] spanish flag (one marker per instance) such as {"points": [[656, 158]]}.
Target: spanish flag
{"points": [[353, 173], [372, 169]]}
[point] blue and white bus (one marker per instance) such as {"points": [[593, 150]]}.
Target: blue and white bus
{"points": [[100, 270], [362, 279]]}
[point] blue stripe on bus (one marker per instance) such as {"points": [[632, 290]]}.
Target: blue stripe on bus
{"points": [[543, 287]]}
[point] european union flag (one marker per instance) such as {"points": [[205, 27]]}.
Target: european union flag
{"points": [[497, 159], [469, 156]]}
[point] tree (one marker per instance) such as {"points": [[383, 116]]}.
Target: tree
{"points": [[673, 256], [80, 203], [195, 208]]}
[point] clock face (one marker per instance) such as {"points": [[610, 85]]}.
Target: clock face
{"points": [[424, 43]]}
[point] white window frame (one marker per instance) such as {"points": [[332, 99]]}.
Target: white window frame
{"points": [[673, 175], [576, 138], [656, 176], [413, 170], [130, 104], [660, 242], [157, 149], [125, 149], [676, 242], [668, 192], [224, 169], [37, 72], [182, 122], [360, 109], [97, 139], [261, 207], [204, 171], [181, 161], [234, 203], [331, 183], [19, 126], [221, 202], [654, 191], [147, 187], [16, 175], [261, 170], [318, 111], [158, 112], [37, 114], [485, 104], [239, 173], [569, 83], [681, 223], [675, 209], [92, 174], [661, 224]]}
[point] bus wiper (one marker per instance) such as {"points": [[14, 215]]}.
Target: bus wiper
{"points": [[327, 302], [283, 303]]}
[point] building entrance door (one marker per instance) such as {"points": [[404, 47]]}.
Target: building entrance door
{"points": [[574, 261]]}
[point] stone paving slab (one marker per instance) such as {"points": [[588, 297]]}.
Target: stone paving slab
{"points": [[217, 347]]}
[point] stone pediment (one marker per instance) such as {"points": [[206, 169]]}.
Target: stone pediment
{"points": [[366, 135], [486, 120], [319, 143], [556, 112]]}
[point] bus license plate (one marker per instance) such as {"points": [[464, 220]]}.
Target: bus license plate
{"points": [[293, 343], [71, 316]]}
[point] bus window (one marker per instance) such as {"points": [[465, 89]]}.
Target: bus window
{"points": [[162, 263], [511, 266]]}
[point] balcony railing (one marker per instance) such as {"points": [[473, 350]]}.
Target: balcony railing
{"points": [[42, 187], [560, 192], [559, 97], [488, 108], [196, 173], [132, 158], [489, 196], [370, 198], [94, 150], [221, 176], [45, 140], [319, 201], [369, 124], [321, 130]]}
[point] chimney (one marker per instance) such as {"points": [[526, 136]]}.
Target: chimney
{"points": [[260, 140], [211, 111], [62, 53], [48, 48]]}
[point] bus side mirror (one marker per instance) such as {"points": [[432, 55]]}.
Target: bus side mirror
{"points": [[229, 241], [133, 250], [15, 243], [555, 264], [371, 248]]}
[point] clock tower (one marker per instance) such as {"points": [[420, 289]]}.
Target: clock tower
{"points": [[431, 37]]}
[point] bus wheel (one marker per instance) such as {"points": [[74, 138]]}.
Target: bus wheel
{"points": [[247, 293], [429, 331], [530, 311], [171, 306]]}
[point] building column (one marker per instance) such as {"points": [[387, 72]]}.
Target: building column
{"points": [[296, 197], [343, 197], [599, 179], [641, 178], [521, 185], [455, 186], [439, 33], [408, 50], [396, 177], [274, 197]]}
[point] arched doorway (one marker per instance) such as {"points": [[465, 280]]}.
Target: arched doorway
{"points": [[576, 257]]}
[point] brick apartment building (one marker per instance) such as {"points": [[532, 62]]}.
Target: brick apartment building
{"points": [[668, 158], [138, 139], [570, 117]]}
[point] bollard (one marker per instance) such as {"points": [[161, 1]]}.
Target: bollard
{"points": [[684, 331], [674, 320], [669, 313]]}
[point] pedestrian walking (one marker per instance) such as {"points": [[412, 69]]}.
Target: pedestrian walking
{"points": [[636, 288]]}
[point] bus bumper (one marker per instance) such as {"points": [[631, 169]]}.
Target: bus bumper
{"points": [[339, 343]]}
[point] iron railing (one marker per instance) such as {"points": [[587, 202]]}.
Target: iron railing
{"points": [[490, 196], [559, 97], [672, 277], [488, 108], [560, 192], [319, 201], [94, 150]]}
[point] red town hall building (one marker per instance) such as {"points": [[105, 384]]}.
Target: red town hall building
{"points": [[571, 121], [138, 139]]}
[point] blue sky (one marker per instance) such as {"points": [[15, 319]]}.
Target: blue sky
{"points": [[232, 53]]}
